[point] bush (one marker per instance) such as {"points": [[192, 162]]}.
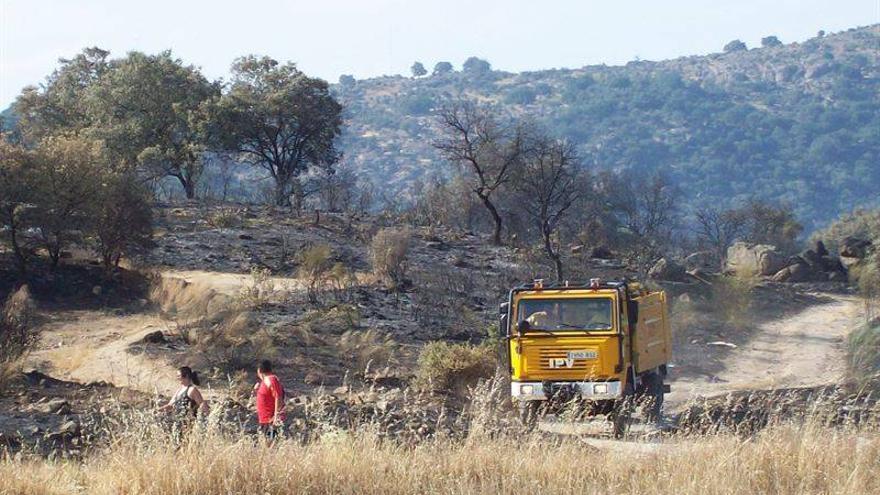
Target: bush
{"points": [[363, 350], [445, 367], [18, 332], [315, 264], [223, 218], [388, 254], [863, 356], [237, 342], [260, 291]]}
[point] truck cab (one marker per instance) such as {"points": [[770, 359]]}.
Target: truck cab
{"points": [[602, 342]]}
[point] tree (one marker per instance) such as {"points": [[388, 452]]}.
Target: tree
{"points": [[770, 41], [549, 184], [66, 169], [474, 65], [719, 229], [646, 210], [418, 70], [772, 224], [150, 110], [122, 219], [62, 103], [347, 80], [488, 149], [441, 68], [735, 46], [17, 197], [277, 118]]}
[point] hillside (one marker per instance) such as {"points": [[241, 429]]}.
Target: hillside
{"points": [[798, 123]]}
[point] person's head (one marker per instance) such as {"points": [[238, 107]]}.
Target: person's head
{"points": [[187, 376], [264, 368]]}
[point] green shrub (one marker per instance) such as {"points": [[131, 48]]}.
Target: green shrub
{"points": [[863, 356], [445, 367]]}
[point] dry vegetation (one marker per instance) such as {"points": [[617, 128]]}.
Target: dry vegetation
{"points": [[786, 458]]}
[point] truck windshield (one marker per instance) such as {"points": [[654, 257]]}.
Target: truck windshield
{"points": [[562, 314]]}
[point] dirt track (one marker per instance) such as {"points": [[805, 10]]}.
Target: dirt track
{"points": [[804, 349]]}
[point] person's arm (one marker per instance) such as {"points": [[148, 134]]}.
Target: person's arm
{"points": [[200, 401], [168, 406], [276, 419]]}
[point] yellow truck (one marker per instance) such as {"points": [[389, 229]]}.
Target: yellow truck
{"points": [[606, 344]]}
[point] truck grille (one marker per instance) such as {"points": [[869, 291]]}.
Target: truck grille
{"points": [[542, 359]]}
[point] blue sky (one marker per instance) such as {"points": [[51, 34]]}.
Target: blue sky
{"points": [[370, 38]]}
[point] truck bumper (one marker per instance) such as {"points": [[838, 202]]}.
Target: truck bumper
{"points": [[544, 390]]}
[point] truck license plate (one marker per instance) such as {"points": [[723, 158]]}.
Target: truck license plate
{"points": [[582, 354]]}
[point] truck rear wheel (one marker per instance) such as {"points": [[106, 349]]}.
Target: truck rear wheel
{"points": [[529, 413]]}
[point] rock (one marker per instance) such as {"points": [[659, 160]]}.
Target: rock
{"points": [[156, 337], [246, 237], [720, 343], [855, 247], [96, 290], [820, 249], [683, 299], [750, 260], [701, 260], [578, 249], [797, 272], [667, 270]]}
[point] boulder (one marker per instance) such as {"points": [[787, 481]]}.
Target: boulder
{"points": [[53, 406], [746, 259], [578, 249], [855, 247], [666, 269]]}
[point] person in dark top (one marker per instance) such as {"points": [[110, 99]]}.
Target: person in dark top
{"points": [[187, 402]]}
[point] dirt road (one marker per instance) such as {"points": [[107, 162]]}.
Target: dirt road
{"points": [[804, 349]]}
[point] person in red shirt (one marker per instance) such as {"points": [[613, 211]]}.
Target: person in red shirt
{"points": [[270, 401]]}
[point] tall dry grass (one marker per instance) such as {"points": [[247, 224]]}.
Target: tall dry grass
{"points": [[784, 459]]}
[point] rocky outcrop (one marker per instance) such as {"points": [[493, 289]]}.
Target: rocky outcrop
{"points": [[751, 260], [854, 250], [813, 265]]}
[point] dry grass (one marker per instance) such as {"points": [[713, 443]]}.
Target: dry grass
{"points": [[784, 459]]}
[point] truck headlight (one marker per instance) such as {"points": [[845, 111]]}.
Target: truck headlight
{"points": [[526, 389], [600, 389]]}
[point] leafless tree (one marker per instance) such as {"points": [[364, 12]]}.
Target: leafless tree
{"points": [[550, 183], [647, 210], [490, 150], [719, 229]]}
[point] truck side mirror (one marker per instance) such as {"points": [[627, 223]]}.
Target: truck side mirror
{"points": [[502, 308], [632, 310]]}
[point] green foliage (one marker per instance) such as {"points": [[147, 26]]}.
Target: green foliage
{"points": [[452, 368], [476, 66], [441, 68], [863, 346], [735, 46], [782, 124], [418, 70], [277, 118]]}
